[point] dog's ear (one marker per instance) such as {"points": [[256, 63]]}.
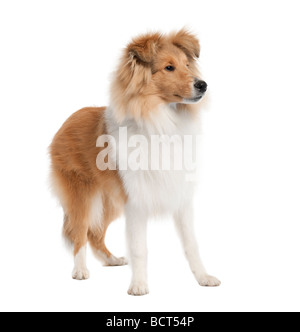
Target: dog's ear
{"points": [[144, 47], [187, 42]]}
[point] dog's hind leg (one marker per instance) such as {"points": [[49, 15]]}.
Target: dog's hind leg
{"points": [[97, 242], [102, 213], [75, 229], [76, 202]]}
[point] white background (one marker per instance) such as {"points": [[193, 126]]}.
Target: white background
{"points": [[56, 57]]}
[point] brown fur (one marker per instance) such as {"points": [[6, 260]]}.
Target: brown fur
{"points": [[73, 153], [141, 84]]}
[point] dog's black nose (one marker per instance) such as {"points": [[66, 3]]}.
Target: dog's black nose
{"points": [[201, 86]]}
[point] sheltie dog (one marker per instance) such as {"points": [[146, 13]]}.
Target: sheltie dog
{"points": [[154, 92]]}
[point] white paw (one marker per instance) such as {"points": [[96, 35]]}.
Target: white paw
{"points": [[138, 289], [209, 281], [80, 273], [114, 261]]}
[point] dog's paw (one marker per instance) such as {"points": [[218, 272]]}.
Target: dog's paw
{"points": [[209, 281], [114, 261], [80, 273], [138, 289]]}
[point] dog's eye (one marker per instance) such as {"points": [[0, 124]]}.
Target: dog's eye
{"points": [[170, 68]]}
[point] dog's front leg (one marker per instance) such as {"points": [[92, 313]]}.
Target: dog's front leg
{"points": [[136, 231], [184, 224]]}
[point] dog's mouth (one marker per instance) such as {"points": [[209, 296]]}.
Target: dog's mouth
{"points": [[193, 100]]}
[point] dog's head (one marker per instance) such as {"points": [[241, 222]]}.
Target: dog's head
{"points": [[159, 69]]}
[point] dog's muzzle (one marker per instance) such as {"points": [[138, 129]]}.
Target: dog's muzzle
{"points": [[200, 88]]}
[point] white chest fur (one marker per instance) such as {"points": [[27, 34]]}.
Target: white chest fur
{"points": [[158, 184]]}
